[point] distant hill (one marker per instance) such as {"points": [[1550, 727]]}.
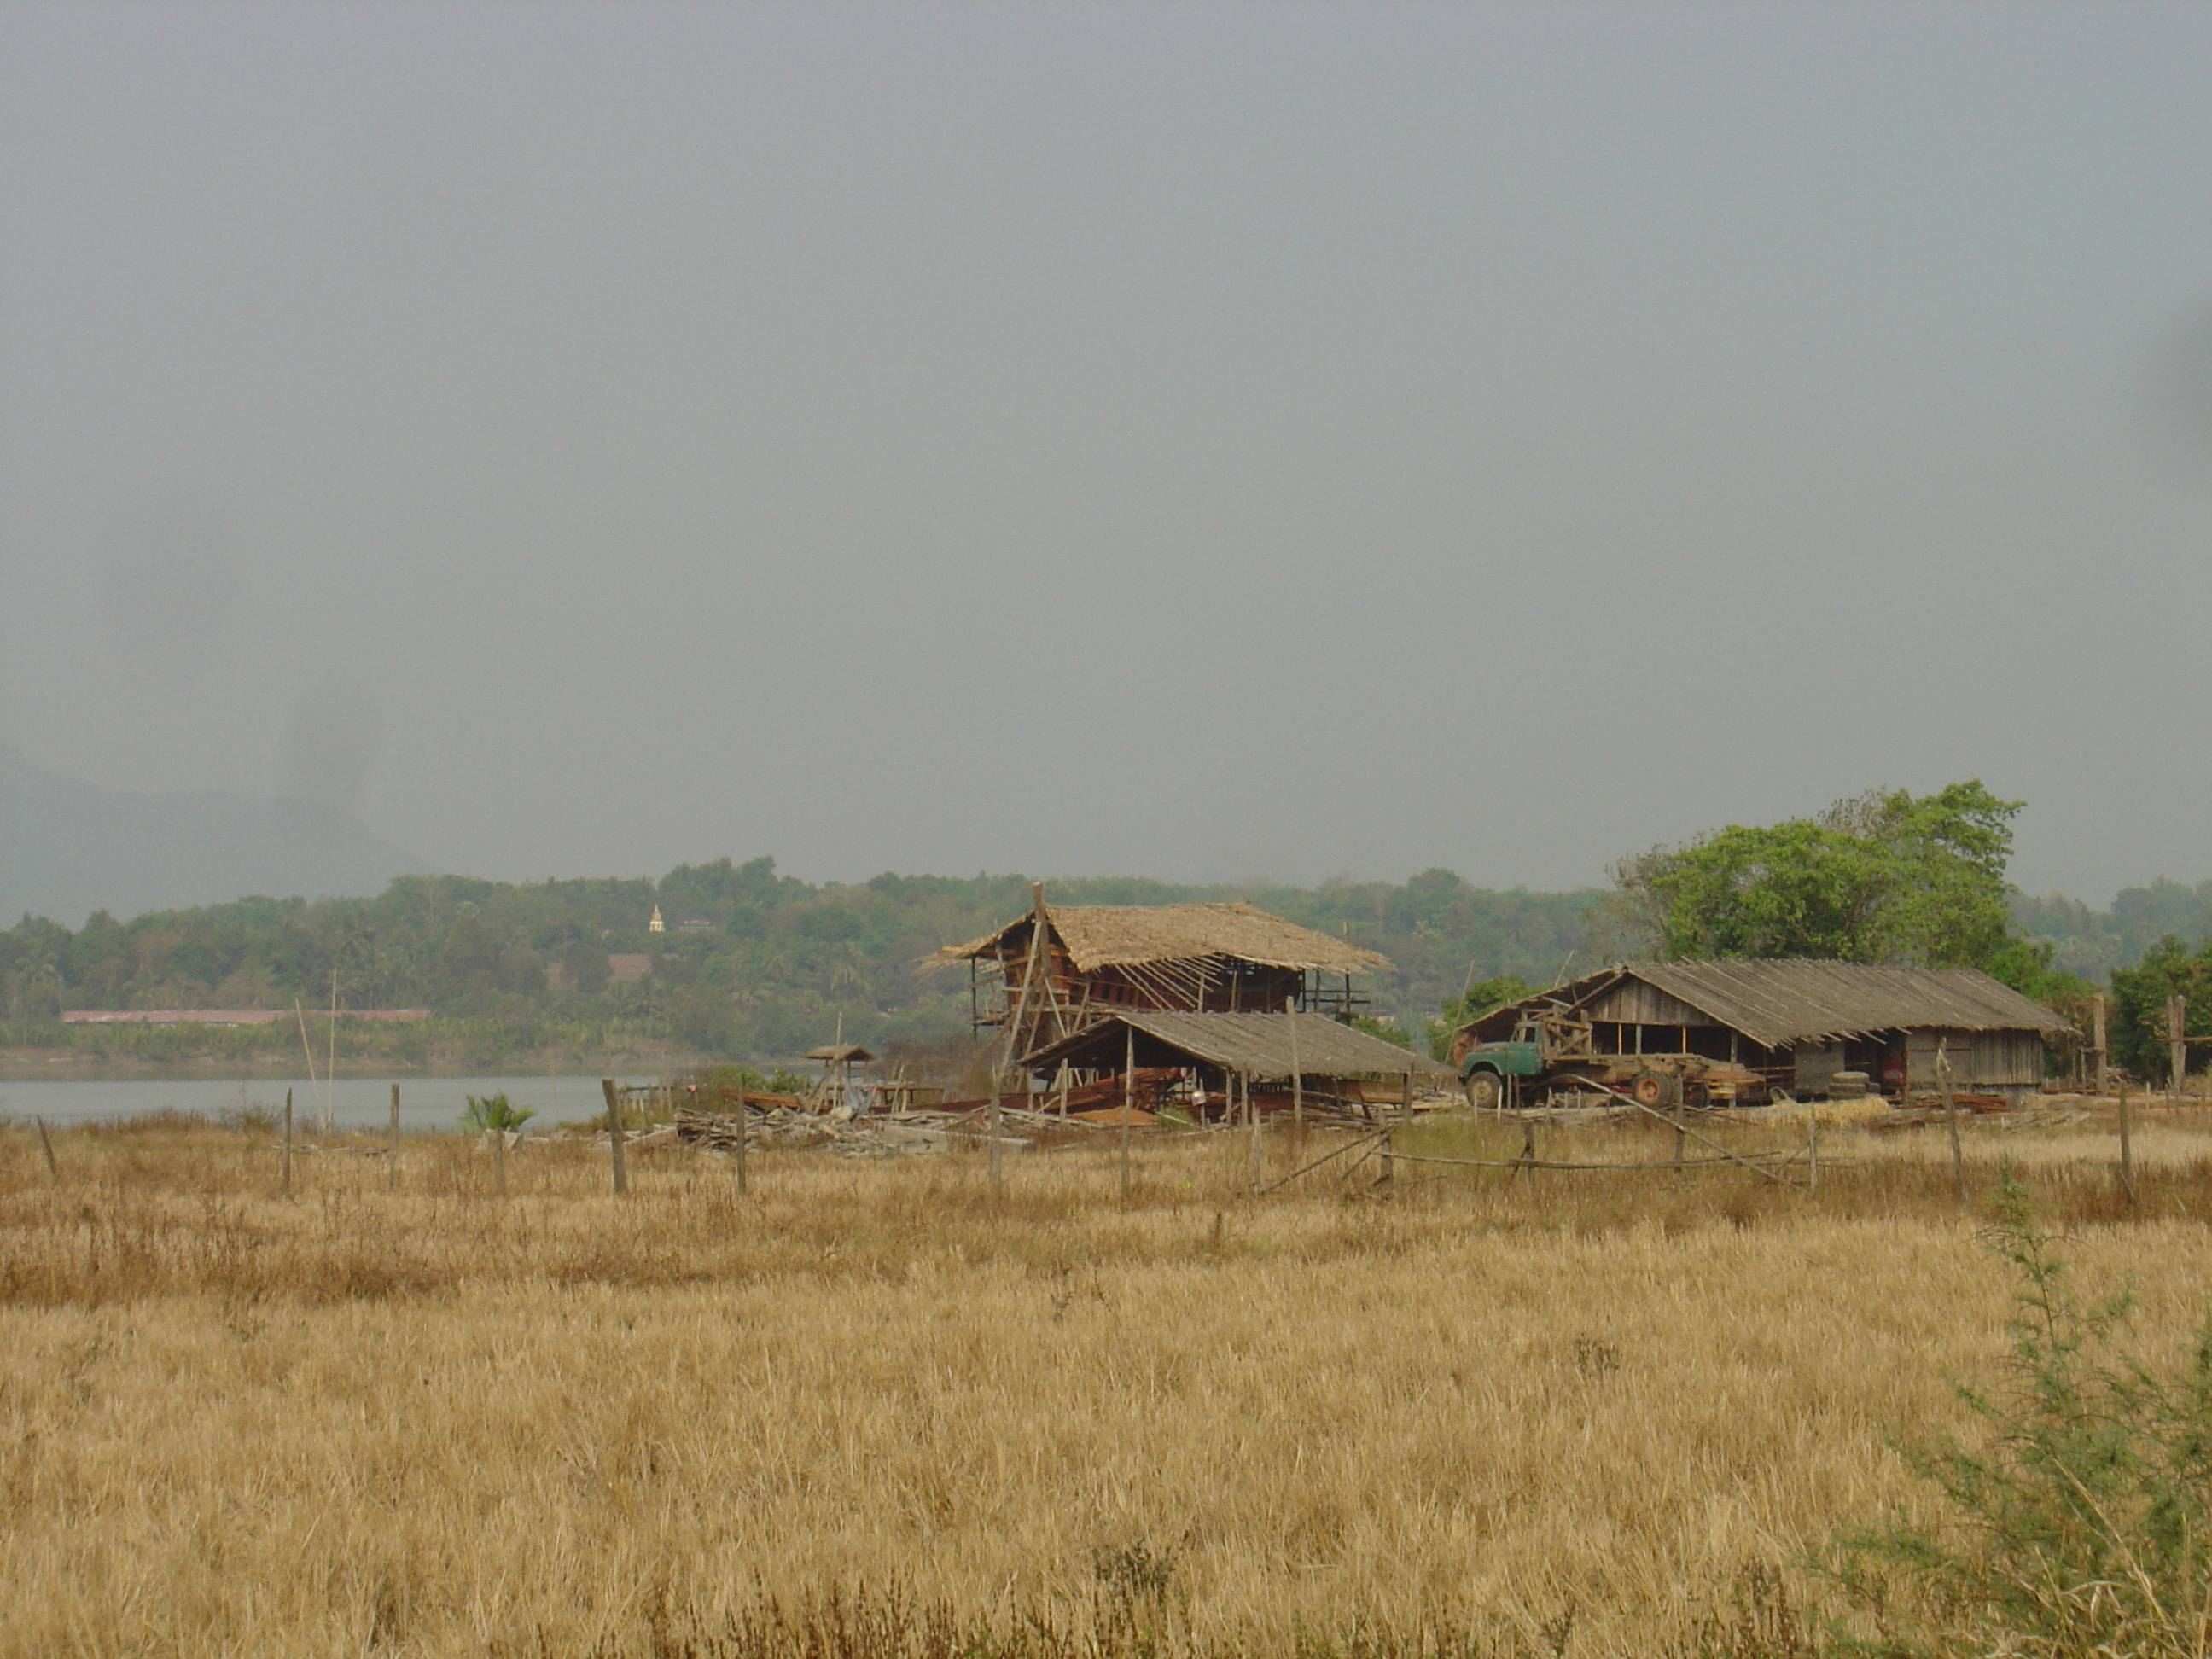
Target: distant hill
{"points": [[68, 848]]}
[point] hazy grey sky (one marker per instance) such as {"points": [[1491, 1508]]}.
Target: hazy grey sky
{"points": [[1206, 441]]}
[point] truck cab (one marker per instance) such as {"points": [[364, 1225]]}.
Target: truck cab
{"points": [[1484, 1067]]}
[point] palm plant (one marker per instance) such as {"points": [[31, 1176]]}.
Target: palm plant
{"points": [[494, 1112]]}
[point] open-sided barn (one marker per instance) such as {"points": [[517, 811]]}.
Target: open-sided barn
{"points": [[1199, 1062], [1801, 1021]]}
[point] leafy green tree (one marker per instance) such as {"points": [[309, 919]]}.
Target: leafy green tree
{"points": [[2137, 1032], [1884, 876]]}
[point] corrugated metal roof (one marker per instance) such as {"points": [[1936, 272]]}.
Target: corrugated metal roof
{"points": [[1258, 1045], [1102, 935], [1775, 1003]]}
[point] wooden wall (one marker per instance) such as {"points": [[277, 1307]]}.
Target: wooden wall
{"points": [[1981, 1061]]}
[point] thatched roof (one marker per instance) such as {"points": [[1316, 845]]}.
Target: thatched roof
{"points": [[1104, 935], [1257, 1045], [1778, 1003], [839, 1051]]}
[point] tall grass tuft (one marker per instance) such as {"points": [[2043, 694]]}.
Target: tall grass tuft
{"points": [[2080, 1510]]}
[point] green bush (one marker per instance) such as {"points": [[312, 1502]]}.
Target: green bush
{"points": [[2079, 1528]]}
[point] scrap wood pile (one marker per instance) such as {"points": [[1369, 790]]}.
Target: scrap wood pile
{"points": [[1158, 1100], [872, 1134], [792, 1125]]}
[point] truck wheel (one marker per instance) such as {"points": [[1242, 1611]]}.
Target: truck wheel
{"points": [[1484, 1090], [1656, 1088]]}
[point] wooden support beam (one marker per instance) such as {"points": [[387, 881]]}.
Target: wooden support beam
{"points": [[1129, 1101]]}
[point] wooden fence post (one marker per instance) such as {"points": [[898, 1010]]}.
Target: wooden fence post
{"points": [[1388, 1156], [1951, 1113], [1297, 1080], [1252, 1117], [1812, 1149], [2127, 1149], [2177, 1025], [46, 1145], [2097, 1030], [392, 1157], [739, 1160], [287, 1143], [615, 1133]]}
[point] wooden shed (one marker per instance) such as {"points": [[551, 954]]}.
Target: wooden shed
{"points": [[1802, 1022], [1060, 968]]}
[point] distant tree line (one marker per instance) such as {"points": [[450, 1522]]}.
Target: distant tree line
{"points": [[752, 963], [755, 963]]}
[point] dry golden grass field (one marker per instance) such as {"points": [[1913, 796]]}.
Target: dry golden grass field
{"points": [[1571, 1414]]}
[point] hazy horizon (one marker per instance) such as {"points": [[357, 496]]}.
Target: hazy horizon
{"points": [[1215, 443]]}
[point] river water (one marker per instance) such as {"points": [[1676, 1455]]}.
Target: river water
{"points": [[356, 1102]]}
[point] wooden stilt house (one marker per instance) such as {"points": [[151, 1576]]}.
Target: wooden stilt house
{"points": [[1060, 968]]}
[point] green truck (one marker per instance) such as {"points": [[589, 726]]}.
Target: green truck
{"points": [[1553, 1050]]}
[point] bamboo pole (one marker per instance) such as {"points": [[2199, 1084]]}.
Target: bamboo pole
{"points": [[1704, 1140], [1297, 1081], [1528, 1160], [615, 1133], [2127, 1148], [392, 1157], [287, 1134], [1305, 1169], [307, 1049], [1129, 1101], [46, 1145]]}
